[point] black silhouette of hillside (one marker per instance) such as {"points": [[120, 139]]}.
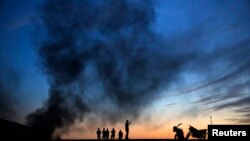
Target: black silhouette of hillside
{"points": [[13, 131]]}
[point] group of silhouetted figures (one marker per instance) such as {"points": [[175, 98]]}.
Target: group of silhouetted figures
{"points": [[105, 133]]}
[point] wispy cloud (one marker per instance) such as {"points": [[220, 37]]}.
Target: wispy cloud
{"points": [[245, 101], [170, 104], [226, 80], [240, 120]]}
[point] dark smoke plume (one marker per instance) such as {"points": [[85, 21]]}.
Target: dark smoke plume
{"points": [[100, 57]]}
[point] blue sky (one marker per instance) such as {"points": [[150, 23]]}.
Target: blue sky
{"points": [[18, 54], [214, 82]]}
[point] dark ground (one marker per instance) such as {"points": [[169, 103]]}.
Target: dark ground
{"points": [[14, 131], [130, 140]]}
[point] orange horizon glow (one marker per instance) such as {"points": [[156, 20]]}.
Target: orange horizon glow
{"points": [[156, 121], [143, 131]]}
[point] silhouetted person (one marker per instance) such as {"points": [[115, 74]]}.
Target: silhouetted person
{"points": [[127, 128], [179, 133], [107, 134], [103, 134], [98, 133], [120, 134], [113, 134]]}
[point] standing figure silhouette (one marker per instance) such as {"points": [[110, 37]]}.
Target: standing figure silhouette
{"points": [[98, 132], [107, 134], [127, 128], [120, 134], [103, 134], [113, 134]]}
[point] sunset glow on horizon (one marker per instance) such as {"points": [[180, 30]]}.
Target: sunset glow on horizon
{"points": [[157, 127]]}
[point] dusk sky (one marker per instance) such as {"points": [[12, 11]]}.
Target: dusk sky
{"points": [[95, 64]]}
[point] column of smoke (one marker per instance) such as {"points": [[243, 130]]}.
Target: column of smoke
{"points": [[100, 57]]}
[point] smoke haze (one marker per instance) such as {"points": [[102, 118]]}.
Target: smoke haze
{"points": [[101, 62]]}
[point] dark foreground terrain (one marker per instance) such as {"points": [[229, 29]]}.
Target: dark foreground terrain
{"points": [[14, 131], [130, 140]]}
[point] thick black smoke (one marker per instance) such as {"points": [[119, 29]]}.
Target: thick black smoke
{"points": [[100, 57]]}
